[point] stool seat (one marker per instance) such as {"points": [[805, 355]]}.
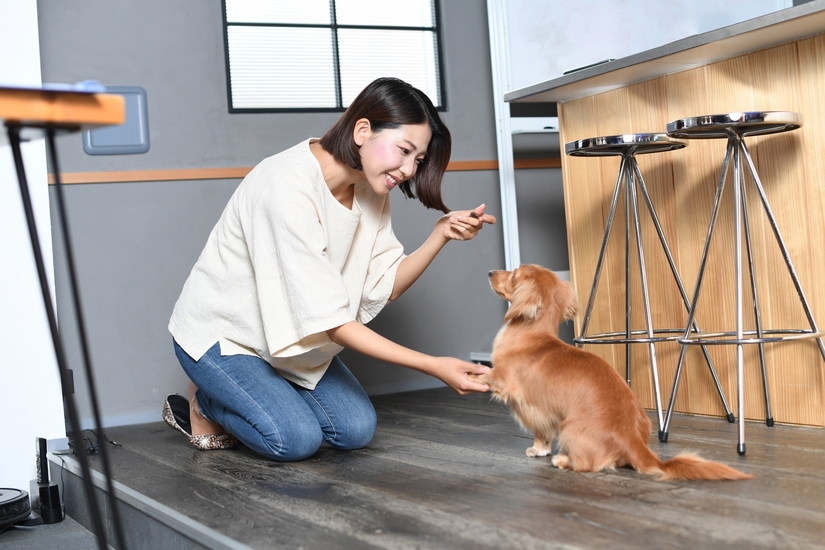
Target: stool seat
{"points": [[753, 123], [606, 146]]}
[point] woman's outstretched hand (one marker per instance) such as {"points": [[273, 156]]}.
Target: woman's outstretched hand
{"points": [[463, 225], [454, 372], [457, 374]]}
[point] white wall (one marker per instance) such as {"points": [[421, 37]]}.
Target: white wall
{"points": [[31, 405], [548, 38]]}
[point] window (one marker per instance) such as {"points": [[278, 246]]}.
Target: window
{"points": [[317, 55]]}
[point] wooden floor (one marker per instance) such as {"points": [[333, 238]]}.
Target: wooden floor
{"points": [[450, 472]]}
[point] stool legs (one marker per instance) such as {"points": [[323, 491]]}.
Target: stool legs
{"points": [[740, 351], [625, 179], [645, 295], [784, 249], [756, 314], [736, 149], [630, 175], [692, 309], [694, 325], [600, 262]]}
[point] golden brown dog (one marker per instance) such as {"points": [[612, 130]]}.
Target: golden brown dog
{"points": [[558, 390]]}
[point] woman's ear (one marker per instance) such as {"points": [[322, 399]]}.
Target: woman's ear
{"points": [[362, 131]]}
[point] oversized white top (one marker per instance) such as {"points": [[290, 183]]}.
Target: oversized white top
{"points": [[286, 262]]}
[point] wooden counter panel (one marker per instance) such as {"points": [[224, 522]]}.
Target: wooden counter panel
{"points": [[682, 186], [36, 107]]}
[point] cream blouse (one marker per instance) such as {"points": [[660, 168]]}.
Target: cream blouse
{"points": [[286, 262]]}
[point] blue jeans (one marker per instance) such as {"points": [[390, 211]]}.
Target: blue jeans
{"points": [[275, 417]]}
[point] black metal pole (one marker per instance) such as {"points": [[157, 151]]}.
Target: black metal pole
{"points": [[117, 525], [14, 141]]}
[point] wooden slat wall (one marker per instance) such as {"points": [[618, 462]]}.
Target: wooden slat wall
{"points": [[682, 185]]}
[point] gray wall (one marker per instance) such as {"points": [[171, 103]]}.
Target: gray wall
{"points": [[136, 242], [580, 32]]}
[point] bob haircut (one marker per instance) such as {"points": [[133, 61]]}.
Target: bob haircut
{"points": [[389, 103]]}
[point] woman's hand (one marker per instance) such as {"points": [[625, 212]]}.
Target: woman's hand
{"points": [[460, 226], [459, 375], [463, 225]]}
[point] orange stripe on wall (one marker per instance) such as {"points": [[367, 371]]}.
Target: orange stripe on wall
{"points": [[241, 172]]}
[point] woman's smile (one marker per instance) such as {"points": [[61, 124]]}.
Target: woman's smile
{"points": [[393, 181]]}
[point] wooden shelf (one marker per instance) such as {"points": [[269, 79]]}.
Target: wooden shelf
{"points": [[64, 110]]}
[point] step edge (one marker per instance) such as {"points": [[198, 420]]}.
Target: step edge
{"points": [[176, 521]]}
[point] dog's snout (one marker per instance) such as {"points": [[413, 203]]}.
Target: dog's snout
{"points": [[490, 273]]}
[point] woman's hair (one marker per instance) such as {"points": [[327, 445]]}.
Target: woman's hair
{"points": [[389, 103]]}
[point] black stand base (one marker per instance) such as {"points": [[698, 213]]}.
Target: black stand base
{"points": [[769, 422], [731, 418], [31, 521], [662, 436], [740, 449]]}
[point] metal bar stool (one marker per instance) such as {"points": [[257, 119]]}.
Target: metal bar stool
{"points": [[630, 177], [735, 127]]}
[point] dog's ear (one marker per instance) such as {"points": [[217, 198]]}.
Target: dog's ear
{"points": [[568, 301], [526, 302]]}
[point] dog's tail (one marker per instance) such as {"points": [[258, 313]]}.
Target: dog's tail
{"points": [[682, 466], [690, 466]]}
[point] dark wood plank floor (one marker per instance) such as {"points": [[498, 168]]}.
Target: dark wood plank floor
{"points": [[446, 471]]}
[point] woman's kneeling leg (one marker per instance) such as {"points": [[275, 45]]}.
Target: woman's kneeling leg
{"points": [[342, 408], [252, 401]]}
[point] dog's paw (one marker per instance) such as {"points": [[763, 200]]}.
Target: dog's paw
{"points": [[561, 461], [534, 452]]}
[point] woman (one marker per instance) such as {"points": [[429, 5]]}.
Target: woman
{"points": [[301, 258]]}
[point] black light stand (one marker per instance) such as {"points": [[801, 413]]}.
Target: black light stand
{"points": [[13, 131]]}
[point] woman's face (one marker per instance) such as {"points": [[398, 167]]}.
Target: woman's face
{"points": [[391, 156]]}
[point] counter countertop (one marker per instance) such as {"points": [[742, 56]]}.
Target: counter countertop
{"points": [[761, 32]]}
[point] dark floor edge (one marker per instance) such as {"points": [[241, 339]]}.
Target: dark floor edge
{"points": [[153, 509]]}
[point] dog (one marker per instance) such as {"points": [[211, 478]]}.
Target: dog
{"points": [[556, 390]]}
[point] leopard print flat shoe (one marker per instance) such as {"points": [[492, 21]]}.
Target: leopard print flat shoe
{"points": [[176, 414]]}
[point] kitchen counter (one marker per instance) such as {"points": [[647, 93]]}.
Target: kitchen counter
{"points": [[771, 63]]}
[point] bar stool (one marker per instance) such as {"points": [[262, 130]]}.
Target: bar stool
{"points": [[735, 127], [630, 177]]}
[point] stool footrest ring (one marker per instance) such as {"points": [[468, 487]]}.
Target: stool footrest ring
{"points": [[728, 338], [621, 337]]}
